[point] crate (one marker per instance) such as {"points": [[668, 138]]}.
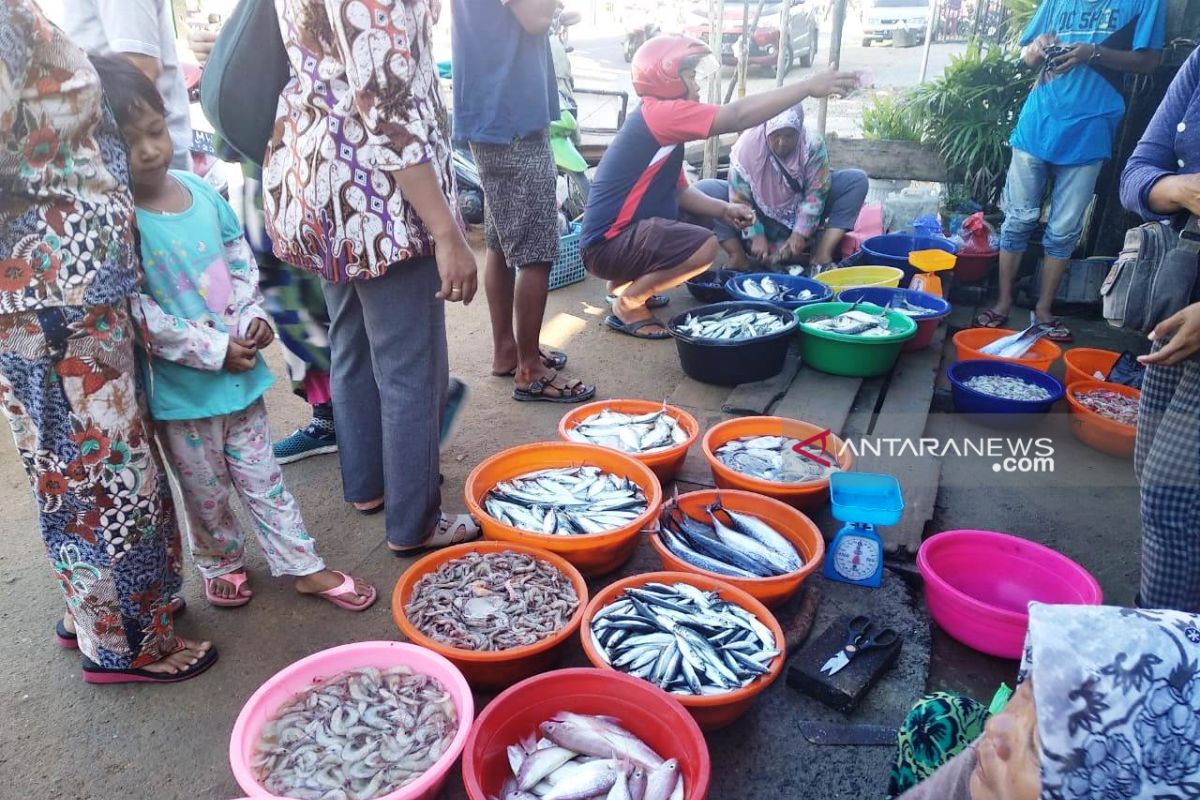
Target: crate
{"points": [[568, 267], [1082, 282]]}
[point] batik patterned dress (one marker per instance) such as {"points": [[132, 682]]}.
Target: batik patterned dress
{"points": [[68, 381]]}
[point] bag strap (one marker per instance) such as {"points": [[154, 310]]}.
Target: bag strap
{"points": [[792, 183]]}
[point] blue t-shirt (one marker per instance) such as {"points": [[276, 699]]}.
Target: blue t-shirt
{"points": [[190, 275], [641, 172], [504, 85], [1072, 119]]}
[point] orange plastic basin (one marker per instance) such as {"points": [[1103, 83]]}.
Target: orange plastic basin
{"points": [[710, 711], [1096, 430], [791, 524], [805, 496], [490, 669], [968, 342], [664, 463], [1084, 362], [592, 554]]}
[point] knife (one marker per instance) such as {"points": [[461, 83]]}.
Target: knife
{"points": [[834, 733]]}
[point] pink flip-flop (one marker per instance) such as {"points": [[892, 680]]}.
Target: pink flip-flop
{"points": [[238, 579], [347, 587]]}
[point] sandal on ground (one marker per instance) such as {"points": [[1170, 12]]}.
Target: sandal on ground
{"points": [[990, 319], [369, 512], [634, 328], [238, 579], [94, 673], [68, 640], [347, 587], [571, 391], [551, 359], [448, 531], [655, 301], [1058, 333]]}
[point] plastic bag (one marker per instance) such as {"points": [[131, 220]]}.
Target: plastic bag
{"points": [[901, 209], [1128, 371], [974, 235]]}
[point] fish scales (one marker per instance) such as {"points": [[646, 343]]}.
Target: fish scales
{"points": [[492, 601], [704, 643]]}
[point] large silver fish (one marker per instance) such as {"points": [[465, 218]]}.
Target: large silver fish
{"points": [[733, 326], [767, 288], [774, 458], [630, 433], [851, 323], [683, 639], [566, 502], [747, 547]]}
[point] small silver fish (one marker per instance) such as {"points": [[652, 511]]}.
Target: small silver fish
{"points": [[735, 326], [566, 502], [630, 433], [1007, 387], [766, 288], [774, 458]]}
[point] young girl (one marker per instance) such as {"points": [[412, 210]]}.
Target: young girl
{"points": [[203, 329]]}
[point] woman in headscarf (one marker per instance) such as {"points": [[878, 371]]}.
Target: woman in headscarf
{"points": [[783, 171], [1109, 709]]}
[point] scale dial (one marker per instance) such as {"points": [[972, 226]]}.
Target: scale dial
{"points": [[857, 557]]}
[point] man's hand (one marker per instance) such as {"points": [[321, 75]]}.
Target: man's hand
{"points": [[260, 333], [1074, 55], [738, 215], [1183, 328], [201, 40], [797, 244], [457, 269], [240, 356], [825, 84], [1037, 48], [759, 247]]}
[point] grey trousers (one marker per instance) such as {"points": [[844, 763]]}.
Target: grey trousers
{"points": [[389, 377], [847, 193]]}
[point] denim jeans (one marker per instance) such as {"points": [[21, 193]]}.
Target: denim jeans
{"points": [[1022, 203]]}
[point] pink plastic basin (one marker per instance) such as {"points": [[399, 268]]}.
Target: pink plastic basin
{"points": [[978, 586], [295, 678]]}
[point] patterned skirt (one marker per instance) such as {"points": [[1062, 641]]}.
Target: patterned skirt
{"points": [[71, 392]]}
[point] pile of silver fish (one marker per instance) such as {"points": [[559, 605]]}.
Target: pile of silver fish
{"points": [[567, 502], [851, 323], [774, 458], [1007, 387], [630, 433], [580, 757], [1016, 345], [746, 547], [359, 735], [1108, 403], [766, 288], [685, 640], [733, 326], [492, 601]]}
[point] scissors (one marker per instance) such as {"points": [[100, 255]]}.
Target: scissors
{"points": [[859, 638]]}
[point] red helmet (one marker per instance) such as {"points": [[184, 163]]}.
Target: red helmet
{"points": [[657, 64]]}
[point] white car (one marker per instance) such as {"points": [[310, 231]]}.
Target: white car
{"points": [[903, 22]]}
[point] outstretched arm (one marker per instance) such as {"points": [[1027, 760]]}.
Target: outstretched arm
{"points": [[758, 108]]}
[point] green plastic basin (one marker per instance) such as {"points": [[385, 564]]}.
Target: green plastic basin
{"points": [[853, 356]]}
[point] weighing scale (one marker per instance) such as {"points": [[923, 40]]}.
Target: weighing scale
{"points": [[927, 262], [862, 500]]}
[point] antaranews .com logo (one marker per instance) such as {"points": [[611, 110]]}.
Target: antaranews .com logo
{"points": [[1018, 455]]}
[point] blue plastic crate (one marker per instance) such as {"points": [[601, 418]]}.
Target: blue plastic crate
{"points": [[865, 497], [568, 268]]}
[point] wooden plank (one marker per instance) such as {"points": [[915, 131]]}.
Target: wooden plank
{"points": [[697, 396], [919, 479], [758, 397], [905, 407], [695, 468], [819, 399]]}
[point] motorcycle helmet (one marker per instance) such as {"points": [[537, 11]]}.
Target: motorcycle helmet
{"points": [[657, 64]]}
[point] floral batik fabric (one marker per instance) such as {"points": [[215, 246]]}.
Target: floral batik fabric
{"points": [[69, 388], [66, 230], [938, 728], [1117, 693], [363, 102]]}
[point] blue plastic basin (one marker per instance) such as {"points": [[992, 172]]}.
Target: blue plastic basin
{"points": [[969, 401], [798, 283], [892, 249], [881, 295]]}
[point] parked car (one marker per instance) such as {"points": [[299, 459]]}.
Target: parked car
{"points": [[901, 22], [800, 42]]}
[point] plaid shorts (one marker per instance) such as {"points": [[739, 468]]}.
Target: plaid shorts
{"points": [[520, 200], [1168, 468]]}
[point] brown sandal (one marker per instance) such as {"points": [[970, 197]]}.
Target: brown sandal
{"points": [[572, 391]]}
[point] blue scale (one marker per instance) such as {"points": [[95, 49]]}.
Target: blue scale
{"points": [[862, 500]]}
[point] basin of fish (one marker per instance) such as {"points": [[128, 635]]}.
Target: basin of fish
{"points": [[851, 323], [492, 601], [569, 501], [775, 458], [636, 434], [767, 288], [356, 736], [727, 542], [1110, 404], [733, 326], [580, 756], [1008, 387], [684, 640]]}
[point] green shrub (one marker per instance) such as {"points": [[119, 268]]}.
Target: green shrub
{"points": [[889, 116]]}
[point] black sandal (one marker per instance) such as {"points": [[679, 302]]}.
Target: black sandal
{"points": [[634, 328], [94, 673], [655, 301], [567, 393], [551, 359]]}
